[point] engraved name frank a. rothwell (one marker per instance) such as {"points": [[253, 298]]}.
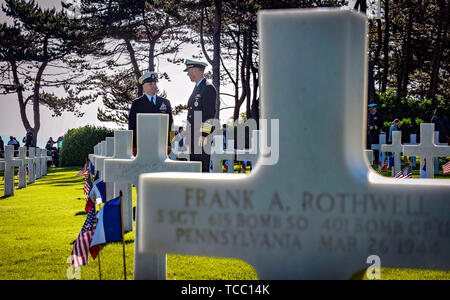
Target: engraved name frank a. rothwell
{"points": [[321, 210], [346, 220]]}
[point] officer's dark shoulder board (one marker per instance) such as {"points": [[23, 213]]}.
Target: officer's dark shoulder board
{"points": [[139, 99]]}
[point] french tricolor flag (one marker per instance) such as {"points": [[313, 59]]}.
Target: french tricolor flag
{"points": [[98, 189]]}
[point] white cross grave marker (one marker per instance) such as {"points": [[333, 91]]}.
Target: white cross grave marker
{"points": [[96, 158], [382, 141], [23, 168], [218, 154], [92, 155], [108, 152], [320, 212], [396, 148], [369, 155], [44, 159], [177, 151], [38, 163], [436, 159], [151, 157], [427, 149], [10, 164], [251, 154], [32, 165], [412, 141]]}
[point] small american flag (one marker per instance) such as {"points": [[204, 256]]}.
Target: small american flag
{"points": [[383, 166], [87, 186], [446, 168], [82, 172], [405, 172], [80, 251]]}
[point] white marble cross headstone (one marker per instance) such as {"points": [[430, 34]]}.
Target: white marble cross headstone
{"points": [[178, 152], [396, 148], [427, 149], [92, 155], [436, 159], [102, 153], [151, 157], [369, 155], [320, 212], [382, 141], [251, 154], [10, 164], [23, 169], [122, 150], [108, 152], [32, 165], [412, 141], [218, 154], [44, 159], [38, 163]]}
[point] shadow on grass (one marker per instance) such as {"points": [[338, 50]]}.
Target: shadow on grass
{"points": [[81, 213], [61, 182], [358, 275]]}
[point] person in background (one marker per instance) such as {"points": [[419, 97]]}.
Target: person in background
{"points": [[202, 101], [50, 144], [181, 142], [374, 128], [394, 127], [60, 142], [224, 129], [441, 124], [28, 139], [149, 103], [13, 142]]}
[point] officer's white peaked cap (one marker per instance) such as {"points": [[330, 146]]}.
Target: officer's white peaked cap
{"points": [[148, 77], [190, 63]]}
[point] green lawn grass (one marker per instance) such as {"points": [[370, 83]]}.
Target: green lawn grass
{"points": [[39, 224], [416, 169]]}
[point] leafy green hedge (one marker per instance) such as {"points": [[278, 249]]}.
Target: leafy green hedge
{"points": [[79, 143], [411, 112]]}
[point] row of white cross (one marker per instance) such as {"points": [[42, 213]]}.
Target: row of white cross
{"points": [[37, 167], [116, 165], [429, 149], [219, 154]]}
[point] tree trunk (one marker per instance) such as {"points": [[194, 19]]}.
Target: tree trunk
{"points": [[151, 57], [136, 71], [22, 103], [36, 108], [405, 69], [244, 90], [442, 21], [374, 62], [247, 71]]}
